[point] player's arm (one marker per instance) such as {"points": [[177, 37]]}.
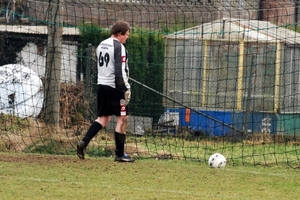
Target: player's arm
{"points": [[121, 71]]}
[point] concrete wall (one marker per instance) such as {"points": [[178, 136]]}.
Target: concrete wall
{"points": [[155, 14]]}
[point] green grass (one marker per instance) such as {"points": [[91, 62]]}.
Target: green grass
{"points": [[36, 176]]}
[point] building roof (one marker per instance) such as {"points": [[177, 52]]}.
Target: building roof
{"points": [[231, 29], [43, 30]]}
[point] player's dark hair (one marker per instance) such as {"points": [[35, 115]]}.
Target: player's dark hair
{"points": [[120, 27]]}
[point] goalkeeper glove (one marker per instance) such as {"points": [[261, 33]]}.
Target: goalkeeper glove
{"points": [[127, 97]]}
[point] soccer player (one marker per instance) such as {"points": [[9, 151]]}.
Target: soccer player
{"points": [[113, 93]]}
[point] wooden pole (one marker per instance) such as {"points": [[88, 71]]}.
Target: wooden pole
{"points": [[240, 76], [277, 77], [205, 52], [53, 63]]}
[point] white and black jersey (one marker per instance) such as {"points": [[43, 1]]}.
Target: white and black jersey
{"points": [[112, 64]]}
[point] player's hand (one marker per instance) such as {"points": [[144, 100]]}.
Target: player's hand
{"points": [[127, 97]]}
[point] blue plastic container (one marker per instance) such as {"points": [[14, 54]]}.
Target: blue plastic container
{"points": [[208, 121]]}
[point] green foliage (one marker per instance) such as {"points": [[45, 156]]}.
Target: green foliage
{"points": [[12, 123], [92, 34], [50, 146], [293, 27], [9, 47], [98, 151], [146, 63]]}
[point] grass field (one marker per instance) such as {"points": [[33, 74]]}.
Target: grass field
{"points": [[36, 176]]}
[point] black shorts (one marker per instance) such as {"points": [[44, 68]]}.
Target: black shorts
{"points": [[108, 100]]}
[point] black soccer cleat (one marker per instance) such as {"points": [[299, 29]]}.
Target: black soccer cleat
{"points": [[80, 149], [124, 158]]}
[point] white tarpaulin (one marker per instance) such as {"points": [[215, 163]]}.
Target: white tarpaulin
{"points": [[21, 91]]}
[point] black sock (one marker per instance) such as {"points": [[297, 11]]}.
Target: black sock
{"points": [[93, 130], [120, 143]]}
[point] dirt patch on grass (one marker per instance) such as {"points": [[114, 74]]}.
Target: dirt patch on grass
{"points": [[42, 159]]}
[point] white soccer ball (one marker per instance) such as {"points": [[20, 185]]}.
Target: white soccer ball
{"points": [[217, 160]]}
